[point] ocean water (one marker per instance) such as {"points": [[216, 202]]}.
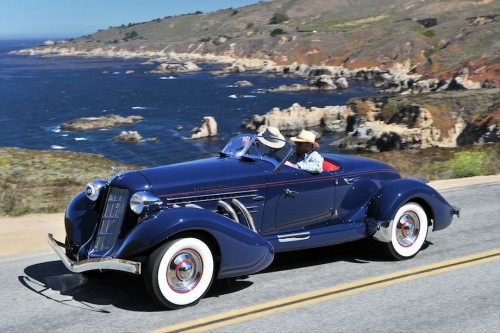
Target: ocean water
{"points": [[37, 94]]}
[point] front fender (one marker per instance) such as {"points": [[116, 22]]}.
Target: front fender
{"points": [[242, 250], [81, 219], [385, 203]]}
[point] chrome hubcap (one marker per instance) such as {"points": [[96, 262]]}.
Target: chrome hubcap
{"points": [[184, 271], [408, 229]]}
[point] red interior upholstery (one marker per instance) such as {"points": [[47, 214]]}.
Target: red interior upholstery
{"points": [[330, 166]]}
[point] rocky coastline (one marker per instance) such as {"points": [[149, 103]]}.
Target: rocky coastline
{"points": [[402, 121]]}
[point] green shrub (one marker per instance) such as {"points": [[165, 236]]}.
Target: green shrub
{"points": [[468, 164], [429, 33]]}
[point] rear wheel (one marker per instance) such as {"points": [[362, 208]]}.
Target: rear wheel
{"points": [[408, 233], [180, 272]]}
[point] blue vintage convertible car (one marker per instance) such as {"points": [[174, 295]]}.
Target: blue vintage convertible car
{"points": [[183, 225]]}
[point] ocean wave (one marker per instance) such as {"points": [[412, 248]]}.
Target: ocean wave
{"points": [[171, 77], [241, 96], [56, 147], [81, 139]]}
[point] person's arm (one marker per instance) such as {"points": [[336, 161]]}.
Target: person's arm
{"points": [[313, 163]]}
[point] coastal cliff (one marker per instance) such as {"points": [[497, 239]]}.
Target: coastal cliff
{"points": [[435, 39]]}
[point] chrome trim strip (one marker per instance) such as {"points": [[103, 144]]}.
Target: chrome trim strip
{"points": [[210, 197], [298, 236], [94, 264]]}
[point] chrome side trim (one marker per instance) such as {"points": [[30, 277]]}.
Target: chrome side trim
{"points": [[246, 214], [94, 264], [190, 206], [224, 206], [298, 236], [384, 231]]}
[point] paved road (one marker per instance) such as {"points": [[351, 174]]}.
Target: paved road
{"points": [[345, 288]]}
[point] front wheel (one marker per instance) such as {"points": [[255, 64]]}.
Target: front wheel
{"points": [[180, 272], [409, 231]]}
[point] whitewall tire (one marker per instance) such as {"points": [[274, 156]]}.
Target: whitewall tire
{"points": [[180, 272], [409, 231]]}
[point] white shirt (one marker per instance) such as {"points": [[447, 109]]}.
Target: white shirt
{"points": [[311, 162]]}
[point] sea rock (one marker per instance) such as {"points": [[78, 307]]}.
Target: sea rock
{"points": [[243, 83], [208, 128], [128, 136], [95, 123], [316, 83], [342, 83], [297, 117], [174, 68]]}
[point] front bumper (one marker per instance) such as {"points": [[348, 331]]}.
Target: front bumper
{"points": [[95, 263]]}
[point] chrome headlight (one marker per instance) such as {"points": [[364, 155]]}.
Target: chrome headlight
{"points": [[93, 189], [142, 200]]}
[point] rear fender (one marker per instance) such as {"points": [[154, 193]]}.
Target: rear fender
{"points": [[385, 203], [242, 251]]}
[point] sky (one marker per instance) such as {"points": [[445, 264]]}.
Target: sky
{"points": [[75, 18]]}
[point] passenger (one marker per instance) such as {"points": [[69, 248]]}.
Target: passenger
{"points": [[305, 157], [271, 137]]}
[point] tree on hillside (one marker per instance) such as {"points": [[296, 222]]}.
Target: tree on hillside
{"points": [[277, 32], [278, 18]]}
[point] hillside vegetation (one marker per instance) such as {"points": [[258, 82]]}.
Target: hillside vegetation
{"points": [[436, 38]]}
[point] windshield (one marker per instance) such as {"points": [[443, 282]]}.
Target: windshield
{"points": [[258, 147]]}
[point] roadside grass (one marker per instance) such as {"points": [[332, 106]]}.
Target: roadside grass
{"points": [[33, 181], [443, 163]]}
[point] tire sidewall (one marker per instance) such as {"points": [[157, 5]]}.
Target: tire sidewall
{"points": [[402, 252], [158, 262]]}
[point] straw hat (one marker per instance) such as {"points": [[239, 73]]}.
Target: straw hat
{"points": [[306, 136], [271, 137]]}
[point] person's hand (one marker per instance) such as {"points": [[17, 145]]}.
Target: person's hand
{"points": [[290, 164]]}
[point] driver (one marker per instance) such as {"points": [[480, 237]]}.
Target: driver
{"points": [[305, 156]]}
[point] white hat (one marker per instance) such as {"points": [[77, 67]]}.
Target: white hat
{"points": [[306, 136], [271, 137]]}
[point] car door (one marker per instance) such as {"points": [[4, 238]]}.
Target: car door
{"points": [[306, 201]]}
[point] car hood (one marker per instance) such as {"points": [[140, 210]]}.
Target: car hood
{"points": [[206, 176]]}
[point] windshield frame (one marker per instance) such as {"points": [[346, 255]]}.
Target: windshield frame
{"points": [[248, 147]]}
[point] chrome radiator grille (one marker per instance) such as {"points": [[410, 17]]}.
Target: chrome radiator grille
{"points": [[112, 219]]}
